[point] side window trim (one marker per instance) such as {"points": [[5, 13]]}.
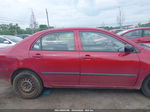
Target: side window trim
{"points": [[40, 44], [142, 33]]}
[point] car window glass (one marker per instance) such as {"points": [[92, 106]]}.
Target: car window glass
{"points": [[146, 32], [37, 45], [60, 41], [95, 41], [117, 31], [133, 34], [14, 38], [2, 40]]}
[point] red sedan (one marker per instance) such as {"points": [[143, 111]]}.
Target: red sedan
{"points": [[75, 57], [138, 35]]}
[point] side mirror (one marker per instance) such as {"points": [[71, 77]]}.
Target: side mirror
{"points": [[6, 42], [129, 48]]}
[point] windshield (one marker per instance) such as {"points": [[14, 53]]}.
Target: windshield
{"points": [[14, 39]]}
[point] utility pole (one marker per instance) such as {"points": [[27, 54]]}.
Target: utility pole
{"points": [[47, 18], [120, 18], [33, 23]]}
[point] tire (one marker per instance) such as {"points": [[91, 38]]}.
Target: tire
{"points": [[27, 85], [146, 87]]}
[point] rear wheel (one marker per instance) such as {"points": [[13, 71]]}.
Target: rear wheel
{"points": [[146, 87], [27, 85]]}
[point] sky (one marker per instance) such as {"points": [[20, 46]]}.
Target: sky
{"points": [[74, 13]]}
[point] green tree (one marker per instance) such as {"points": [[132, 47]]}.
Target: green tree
{"points": [[144, 25], [43, 27], [15, 29]]}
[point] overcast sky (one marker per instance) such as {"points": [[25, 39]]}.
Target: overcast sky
{"points": [[74, 13]]}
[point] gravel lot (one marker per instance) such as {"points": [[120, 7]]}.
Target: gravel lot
{"points": [[75, 99]]}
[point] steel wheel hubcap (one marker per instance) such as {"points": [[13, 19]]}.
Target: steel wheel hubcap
{"points": [[27, 85]]}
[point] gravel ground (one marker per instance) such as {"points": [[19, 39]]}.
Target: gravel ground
{"points": [[75, 99]]}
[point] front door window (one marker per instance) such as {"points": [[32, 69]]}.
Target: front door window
{"points": [[95, 41]]}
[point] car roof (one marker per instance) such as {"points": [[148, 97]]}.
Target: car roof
{"points": [[75, 28], [140, 28], [125, 31]]}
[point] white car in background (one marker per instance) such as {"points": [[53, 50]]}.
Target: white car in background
{"points": [[8, 40]]}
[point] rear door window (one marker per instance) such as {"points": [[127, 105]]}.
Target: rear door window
{"points": [[133, 34], [146, 32], [59, 41]]}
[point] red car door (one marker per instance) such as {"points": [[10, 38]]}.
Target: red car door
{"points": [[104, 62], [56, 56]]}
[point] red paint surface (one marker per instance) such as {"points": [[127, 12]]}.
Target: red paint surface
{"points": [[21, 56]]}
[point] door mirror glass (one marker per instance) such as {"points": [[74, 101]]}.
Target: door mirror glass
{"points": [[129, 48]]}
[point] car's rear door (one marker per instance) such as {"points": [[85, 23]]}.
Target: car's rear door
{"points": [[104, 62], [57, 57]]}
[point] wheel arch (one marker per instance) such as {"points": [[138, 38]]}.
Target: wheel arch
{"points": [[144, 80], [14, 74]]}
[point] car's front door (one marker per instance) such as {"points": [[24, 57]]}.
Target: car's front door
{"points": [[57, 58], [104, 62]]}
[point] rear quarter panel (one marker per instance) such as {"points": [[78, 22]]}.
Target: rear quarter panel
{"points": [[7, 64], [144, 67]]}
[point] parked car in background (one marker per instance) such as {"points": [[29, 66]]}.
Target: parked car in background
{"points": [[75, 57], [23, 36], [116, 30], [8, 40], [138, 35]]}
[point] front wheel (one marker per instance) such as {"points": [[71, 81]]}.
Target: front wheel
{"points": [[27, 85], [146, 87]]}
